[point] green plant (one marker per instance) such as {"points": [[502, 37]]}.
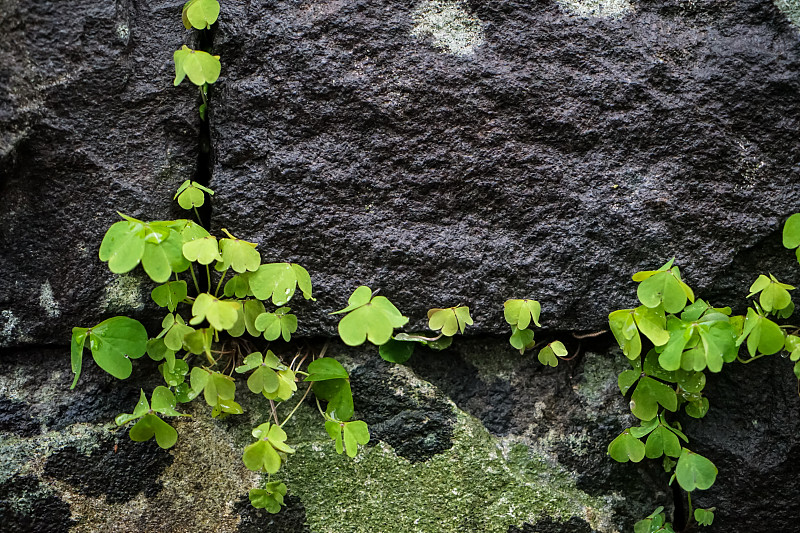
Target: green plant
{"points": [[687, 337], [201, 67], [520, 314]]}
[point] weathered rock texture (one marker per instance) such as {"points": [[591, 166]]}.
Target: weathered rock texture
{"points": [[472, 152], [89, 124], [432, 465]]}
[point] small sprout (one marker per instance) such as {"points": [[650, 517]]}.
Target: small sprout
{"points": [[348, 435], [368, 318], [450, 320], [263, 455], [270, 498], [201, 67], [113, 343], [149, 424]]}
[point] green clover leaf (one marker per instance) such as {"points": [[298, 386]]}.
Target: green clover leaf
{"points": [[218, 390], [278, 281], [240, 255], [623, 325], [774, 294], [149, 424], [704, 517], [626, 448], [201, 67], [694, 471], [200, 14], [647, 396], [791, 232], [113, 343], [264, 378], [520, 313], [763, 335], [262, 455], [663, 287], [269, 498], [348, 435], [368, 318], [450, 320], [170, 294], [331, 384], [277, 324], [204, 250], [521, 339], [221, 314], [549, 354], [395, 351], [239, 286]]}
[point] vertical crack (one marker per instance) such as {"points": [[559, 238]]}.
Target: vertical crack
{"points": [[205, 152]]}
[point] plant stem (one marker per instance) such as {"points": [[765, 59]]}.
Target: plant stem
{"points": [[426, 339], [208, 275], [749, 360], [691, 511], [219, 285], [197, 214], [274, 410], [194, 278], [298, 403]]}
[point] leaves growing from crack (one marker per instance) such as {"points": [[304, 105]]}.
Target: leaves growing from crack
{"points": [[549, 355], [150, 424], [270, 498], [201, 67], [277, 324], [774, 295], [663, 287], [332, 385], [694, 471], [192, 194], [520, 313], [200, 14]]}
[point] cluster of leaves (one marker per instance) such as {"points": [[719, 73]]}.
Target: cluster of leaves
{"points": [[201, 67], [374, 319], [687, 337], [196, 319], [520, 314]]}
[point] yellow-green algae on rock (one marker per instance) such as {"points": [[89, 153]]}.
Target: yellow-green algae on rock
{"points": [[481, 484]]}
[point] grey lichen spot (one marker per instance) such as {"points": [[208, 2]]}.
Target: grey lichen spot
{"points": [[10, 323], [47, 301], [123, 32], [124, 294], [597, 8], [790, 8], [453, 28]]}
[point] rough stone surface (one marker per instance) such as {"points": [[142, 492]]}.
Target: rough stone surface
{"points": [[90, 123], [430, 466], [511, 149]]}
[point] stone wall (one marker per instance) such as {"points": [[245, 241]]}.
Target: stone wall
{"points": [[445, 153]]}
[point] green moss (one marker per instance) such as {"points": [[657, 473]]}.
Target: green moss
{"points": [[451, 26], [124, 294], [481, 484], [790, 8]]}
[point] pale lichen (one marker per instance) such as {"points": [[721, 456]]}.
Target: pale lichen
{"points": [[453, 28], [597, 8], [790, 8]]}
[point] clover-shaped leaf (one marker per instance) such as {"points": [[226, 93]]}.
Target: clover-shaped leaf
{"points": [[113, 343], [238, 254], [763, 335], [149, 424], [239, 286], [368, 318], [331, 384], [279, 281], [217, 388], [623, 326], [655, 523], [450, 320], [277, 324], [694, 471], [252, 309], [269, 498], [191, 194], [626, 448], [662, 441], [221, 314], [549, 354], [663, 287], [649, 393], [204, 250], [704, 517], [200, 14], [348, 435], [264, 378], [170, 294], [175, 334], [520, 313], [774, 294], [158, 351], [201, 67], [176, 375], [651, 322], [521, 339], [262, 455]]}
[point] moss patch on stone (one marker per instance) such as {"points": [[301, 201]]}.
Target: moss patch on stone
{"points": [[481, 484], [790, 8], [450, 24], [597, 8]]}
